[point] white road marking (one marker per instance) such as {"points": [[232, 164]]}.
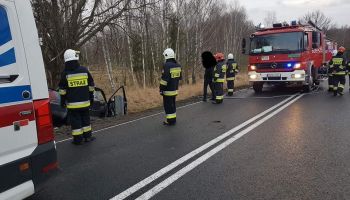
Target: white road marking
{"points": [[132, 121], [139, 119], [195, 152], [161, 186]]}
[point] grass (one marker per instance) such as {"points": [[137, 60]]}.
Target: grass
{"points": [[140, 99], [143, 99]]}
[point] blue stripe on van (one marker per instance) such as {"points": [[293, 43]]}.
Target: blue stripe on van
{"points": [[5, 31], [14, 94], [8, 58]]}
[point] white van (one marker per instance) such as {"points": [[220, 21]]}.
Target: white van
{"points": [[27, 147]]}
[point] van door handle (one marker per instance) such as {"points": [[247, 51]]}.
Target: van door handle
{"points": [[8, 78], [25, 113]]}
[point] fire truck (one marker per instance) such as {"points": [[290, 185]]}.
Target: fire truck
{"points": [[288, 54]]}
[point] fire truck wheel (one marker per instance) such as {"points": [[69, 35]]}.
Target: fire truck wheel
{"points": [[258, 87], [309, 86]]}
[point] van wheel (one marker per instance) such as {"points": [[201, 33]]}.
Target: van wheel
{"points": [[258, 87]]}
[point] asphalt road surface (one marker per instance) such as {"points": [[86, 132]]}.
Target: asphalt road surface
{"points": [[281, 144]]}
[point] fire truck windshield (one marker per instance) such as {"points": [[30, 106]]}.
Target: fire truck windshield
{"points": [[277, 43]]}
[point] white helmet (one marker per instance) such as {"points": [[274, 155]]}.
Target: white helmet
{"points": [[169, 53], [70, 55], [334, 52], [230, 56]]}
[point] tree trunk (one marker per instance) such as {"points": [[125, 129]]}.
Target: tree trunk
{"points": [[108, 62]]}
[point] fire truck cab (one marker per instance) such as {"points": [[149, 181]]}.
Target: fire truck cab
{"points": [[287, 54], [27, 146]]}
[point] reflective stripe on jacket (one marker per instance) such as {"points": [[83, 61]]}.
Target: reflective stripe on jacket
{"points": [[171, 75], [337, 65], [219, 72], [77, 87], [232, 70]]}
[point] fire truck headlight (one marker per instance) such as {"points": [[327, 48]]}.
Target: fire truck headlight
{"points": [[252, 67], [297, 66], [297, 76], [253, 76]]}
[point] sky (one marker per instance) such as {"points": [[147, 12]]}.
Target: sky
{"points": [[289, 10]]}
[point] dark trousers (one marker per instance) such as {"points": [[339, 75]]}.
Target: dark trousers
{"points": [[170, 108], [209, 83], [230, 87], [219, 92], [331, 82], [339, 84], [80, 123]]}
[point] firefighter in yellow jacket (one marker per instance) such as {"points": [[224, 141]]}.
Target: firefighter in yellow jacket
{"points": [[169, 85], [232, 70], [219, 77], [76, 89], [338, 66]]}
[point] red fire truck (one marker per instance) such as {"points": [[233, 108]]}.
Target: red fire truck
{"points": [[288, 54]]}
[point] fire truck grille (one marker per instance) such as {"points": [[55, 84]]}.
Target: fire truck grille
{"points": [[281, 65]]}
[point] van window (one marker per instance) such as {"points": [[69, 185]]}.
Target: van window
{"points": [[7, 50]]}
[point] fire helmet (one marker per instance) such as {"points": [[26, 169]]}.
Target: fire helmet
{"points": [[169, 53], [219, 57], [70, 55], [341, 49], [230, 56]]}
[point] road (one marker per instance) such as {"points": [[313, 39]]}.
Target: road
{"points": [[278, 145]]}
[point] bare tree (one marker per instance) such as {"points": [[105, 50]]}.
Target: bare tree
{"points": [[66, 24], [125, 39], [318, 18], [270, 18]]}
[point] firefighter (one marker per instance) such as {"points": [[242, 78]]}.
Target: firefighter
{"points": [[219, 77], [76, 89], [348, 72], [338, 66], [209, 62], [169, 84], [330, 74], [232, 70]]}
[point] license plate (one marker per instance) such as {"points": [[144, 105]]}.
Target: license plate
{"points": [[264, 58], [273, 75]]}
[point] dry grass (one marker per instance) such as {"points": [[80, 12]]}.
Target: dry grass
{"points": [[140, 99], [143, 99]]}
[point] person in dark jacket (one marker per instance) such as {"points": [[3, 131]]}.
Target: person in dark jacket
{"points": [[219, 77], [209, 62], [77, 94], [338, 67], [169, 85], [232, 70], [330, 74]]}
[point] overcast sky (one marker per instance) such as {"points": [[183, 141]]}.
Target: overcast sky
{"points": [[288, 10]]}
